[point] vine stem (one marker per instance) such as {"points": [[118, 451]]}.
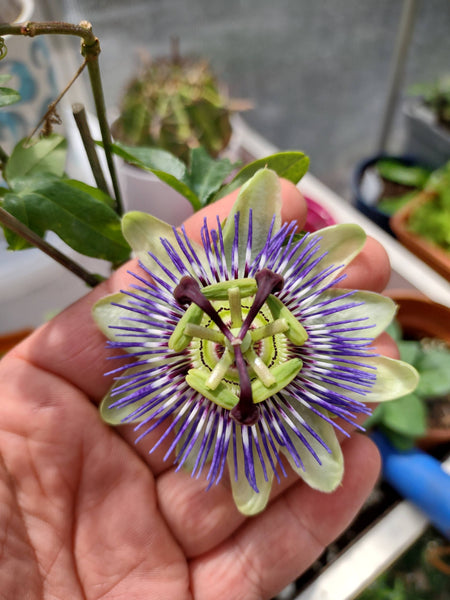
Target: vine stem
{"points": [[90, 50], [9, 221]]}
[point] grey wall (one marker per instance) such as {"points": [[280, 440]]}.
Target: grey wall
{"points": [[316, 69]]}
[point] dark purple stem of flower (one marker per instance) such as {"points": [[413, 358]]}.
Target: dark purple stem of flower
{"points": [[268, 282], [188, 290], [245, 412]]}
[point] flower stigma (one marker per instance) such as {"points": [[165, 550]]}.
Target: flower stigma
{"points": [[237, 347]]}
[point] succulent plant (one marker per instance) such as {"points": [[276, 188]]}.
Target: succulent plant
{"points": [[176, 103]]}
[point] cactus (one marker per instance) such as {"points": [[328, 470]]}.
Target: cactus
{"points": [[176, 103]]}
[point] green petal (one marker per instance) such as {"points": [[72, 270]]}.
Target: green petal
{"points": [[248, 501], [105, 314], [342, 243], [144, 232], [262, 194], [327, 475], [395, 379], [376, 310]]}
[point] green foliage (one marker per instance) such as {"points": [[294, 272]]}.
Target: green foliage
{"points": [[405, 419], [197, 182], [203, 180], [403, 174], [7, 95], [40, 196], [290, 165], [431, 219], [436, 95], [390, 205], [406, 178], [46, 155]]}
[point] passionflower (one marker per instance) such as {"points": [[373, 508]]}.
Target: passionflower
{"points": [[241, 349]]}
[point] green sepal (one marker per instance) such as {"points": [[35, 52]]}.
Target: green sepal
{"points": [[262, 195]]}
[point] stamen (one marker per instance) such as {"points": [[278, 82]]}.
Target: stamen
{"points": [[220, 370], [260, 368], [269, 330], [204, 333]]}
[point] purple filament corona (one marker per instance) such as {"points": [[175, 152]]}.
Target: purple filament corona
{"points": [[204, 434]]}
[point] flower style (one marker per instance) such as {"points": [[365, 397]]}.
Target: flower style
{"points": [[243, 351]]}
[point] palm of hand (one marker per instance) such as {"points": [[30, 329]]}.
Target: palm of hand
{"points": [[83, 515], [79, 515]]}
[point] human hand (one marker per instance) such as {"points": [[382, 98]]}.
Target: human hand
{"points": [[86, 514]]}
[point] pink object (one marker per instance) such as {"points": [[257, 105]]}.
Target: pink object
{"points": [[318, 216]]}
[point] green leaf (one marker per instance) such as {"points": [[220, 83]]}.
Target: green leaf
{"points": [[289, 165], [406, 415], [47, 155], [410, 351], [434, 368], [398, 172], [391, 205], [206, 174], [395, 331], [92, 191], [161, 163], [8, 96], [73, 212]]}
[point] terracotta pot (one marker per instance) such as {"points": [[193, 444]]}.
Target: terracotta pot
{"points": [[420, 317], [9, 340], [430, 253]]}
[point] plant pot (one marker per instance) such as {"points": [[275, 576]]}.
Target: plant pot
{"points": [[420, 317], [143, 191], [9, 340], [367, 188], [425, 137], [433, 255]]}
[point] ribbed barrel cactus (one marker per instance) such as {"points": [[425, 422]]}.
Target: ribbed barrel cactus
{"points": [[176, 103]]}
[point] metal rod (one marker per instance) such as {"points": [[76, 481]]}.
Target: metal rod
{"points": [[397, 67]]}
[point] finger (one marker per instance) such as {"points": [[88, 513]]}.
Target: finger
{"points": [[272, 549], [370, 270]]}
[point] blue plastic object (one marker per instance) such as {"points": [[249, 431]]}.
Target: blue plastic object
{"points": [[418, 477]]}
